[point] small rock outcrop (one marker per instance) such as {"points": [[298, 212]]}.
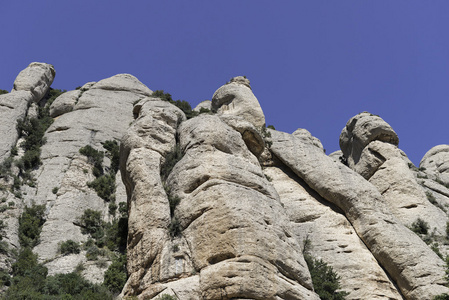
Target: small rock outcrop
{"points": [[436, 162], [29, 87], [236, 98]]}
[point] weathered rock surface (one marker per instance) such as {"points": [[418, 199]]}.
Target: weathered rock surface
{"points": [[249, 206], [147, 142], [236, 98], [388, 169], [206, 104], [231, 220], [360, 131], [415, 268], [324, 229], [436, 162], [89, 116], [30, 86], [36, 78]]}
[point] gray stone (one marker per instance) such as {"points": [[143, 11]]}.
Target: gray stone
{"points": [[326, 234], [36, 78], [436, 163], [360, 131], [417, 270], [236, 98], [206, 104]]}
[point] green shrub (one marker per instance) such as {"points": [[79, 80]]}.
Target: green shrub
{"points": [[112, 208], [104, 183], [325, 281], [204, 110], [90, 221], [174, 229], [69, 286], [94, 157], [181, 104], [69, 247], [4, 249], [115, 276], [93, 252], [420, 226], [170, 161], [30, 225], [112, 235], [271, 127], [436, 249], [104, 186], [3, 92], [114, 154], [55, 190], [5, 278], [431, 197], [3, 226], [27, 265]]}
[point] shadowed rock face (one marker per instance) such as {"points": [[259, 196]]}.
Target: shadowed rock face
{"points": [[362, 130]]}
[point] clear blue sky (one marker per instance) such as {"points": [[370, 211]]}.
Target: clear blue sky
{"points": [[312, 64]]}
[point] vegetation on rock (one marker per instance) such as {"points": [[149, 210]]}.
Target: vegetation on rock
{"points": [[104, 183], [69, 247], [170, 161], [30, 225], [326, 282], [181, 104]]}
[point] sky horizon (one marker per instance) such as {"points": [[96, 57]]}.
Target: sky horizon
{"points": [[312, 64]]}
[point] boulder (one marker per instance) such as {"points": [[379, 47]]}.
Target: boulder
{"points": [[36, 78], [30, 86], [236, 98], [360, 131], [436, 163], [206, 104]]}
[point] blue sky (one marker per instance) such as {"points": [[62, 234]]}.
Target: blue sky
{"points": [[312, 64]]}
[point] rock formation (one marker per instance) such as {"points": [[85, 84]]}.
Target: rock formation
{"points": [[220, 207]]}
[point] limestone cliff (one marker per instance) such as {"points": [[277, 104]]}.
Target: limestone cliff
{"points": [[219, 206]]}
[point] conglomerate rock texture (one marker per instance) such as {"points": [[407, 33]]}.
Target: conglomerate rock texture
{"points": [[219, 206]]}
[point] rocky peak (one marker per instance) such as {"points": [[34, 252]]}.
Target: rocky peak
{"points": [[236, 98], [218, 206], [36, 78], [240, 80], [361, 130]]}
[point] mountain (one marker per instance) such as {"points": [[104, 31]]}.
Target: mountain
{"points": [[134, 194]]}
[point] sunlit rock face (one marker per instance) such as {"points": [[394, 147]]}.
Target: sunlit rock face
{"points": [[236, 98], [436, 162], [221, 207]]}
